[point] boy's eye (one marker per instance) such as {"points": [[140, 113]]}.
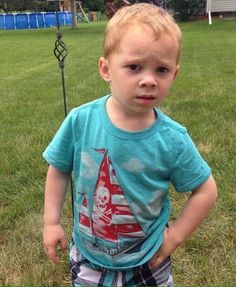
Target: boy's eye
{"points": [[134, 67], [162, 69]]}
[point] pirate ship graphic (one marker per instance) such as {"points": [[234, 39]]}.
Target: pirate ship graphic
{"points": [[111, 218]]}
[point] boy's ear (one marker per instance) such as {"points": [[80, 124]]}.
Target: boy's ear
{"points": [[176, 72], [104, 69]]}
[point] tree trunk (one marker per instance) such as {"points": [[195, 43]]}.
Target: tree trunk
{"points": [[74, 14]]}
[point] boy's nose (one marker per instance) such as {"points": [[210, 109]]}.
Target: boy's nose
{"points": [[148, 80]]}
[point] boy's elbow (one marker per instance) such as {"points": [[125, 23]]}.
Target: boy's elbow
{"points": [[208, 191], [211, 189]]}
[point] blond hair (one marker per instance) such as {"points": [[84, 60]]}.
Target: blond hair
{"points": [[158, 19]]}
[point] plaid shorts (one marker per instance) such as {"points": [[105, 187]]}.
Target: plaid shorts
{"points": [[85, 273]]}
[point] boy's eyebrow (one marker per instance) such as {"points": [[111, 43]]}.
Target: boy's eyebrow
{"points": [[140, 58]]}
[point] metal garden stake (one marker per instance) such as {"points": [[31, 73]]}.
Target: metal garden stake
{"points": [[60, 53]]}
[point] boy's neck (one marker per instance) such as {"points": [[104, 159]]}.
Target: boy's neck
{"points": [[129, 121]]}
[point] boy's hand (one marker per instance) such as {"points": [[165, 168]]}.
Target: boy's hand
{"points": [[168, 246], [53, 235], [201, 200]]}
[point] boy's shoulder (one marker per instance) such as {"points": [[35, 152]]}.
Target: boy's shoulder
{"points": [[86, 107], [89, 105], [168, 123]]}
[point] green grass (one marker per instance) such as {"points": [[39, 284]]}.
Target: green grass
{"points": [[203, 99]]}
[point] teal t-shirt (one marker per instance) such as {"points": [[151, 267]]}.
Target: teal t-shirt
{"points": [[122, 181]]}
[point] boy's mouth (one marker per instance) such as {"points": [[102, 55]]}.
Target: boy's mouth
{"points": [[146, 99]]}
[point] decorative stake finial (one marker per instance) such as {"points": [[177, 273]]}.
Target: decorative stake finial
{"points": [[60, 53]]}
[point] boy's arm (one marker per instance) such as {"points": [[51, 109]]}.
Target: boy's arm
{"points": [[194, 212], [53, 233]]}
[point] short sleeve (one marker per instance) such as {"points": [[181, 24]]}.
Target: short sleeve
{"points": [[190, 170], [60, 152]]}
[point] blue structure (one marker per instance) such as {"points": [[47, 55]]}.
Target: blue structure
{"points": [[34, 20]]}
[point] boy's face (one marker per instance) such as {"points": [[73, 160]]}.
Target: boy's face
{"points": [[141, 70]]}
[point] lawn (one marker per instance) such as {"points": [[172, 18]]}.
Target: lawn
{"points": [[203, 99]]}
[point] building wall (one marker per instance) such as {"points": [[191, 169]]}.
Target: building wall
{"points": [[221, 5]]}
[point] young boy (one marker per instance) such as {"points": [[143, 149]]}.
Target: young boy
{"points": [[124, 154]]}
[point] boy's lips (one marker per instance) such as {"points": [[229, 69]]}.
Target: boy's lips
{"points": [[146, 99]]}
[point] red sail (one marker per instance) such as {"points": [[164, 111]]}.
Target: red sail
{"points": [[112, 217]]}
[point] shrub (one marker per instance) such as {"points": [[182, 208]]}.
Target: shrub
{"points": [[184, 9]]}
